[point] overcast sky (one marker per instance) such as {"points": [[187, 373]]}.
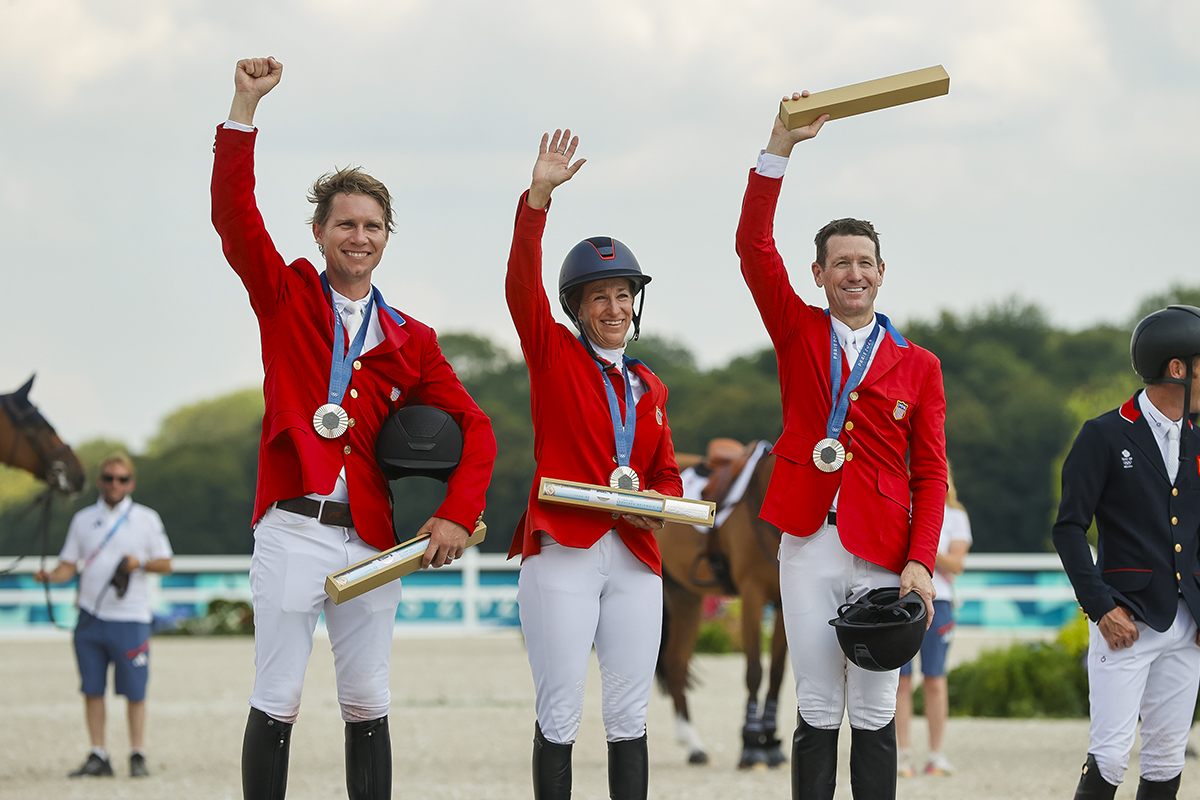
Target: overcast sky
{"points": [[1062, 168]]}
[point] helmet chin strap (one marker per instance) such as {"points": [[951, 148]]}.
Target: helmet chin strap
{"points": [[1186, 383]]}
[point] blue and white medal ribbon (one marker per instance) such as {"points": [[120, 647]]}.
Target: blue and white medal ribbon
{"points": [[829, 455], [623, 477], [331, 420]]}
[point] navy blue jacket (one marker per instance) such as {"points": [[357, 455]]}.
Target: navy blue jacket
{"points": [[1149, 530]]}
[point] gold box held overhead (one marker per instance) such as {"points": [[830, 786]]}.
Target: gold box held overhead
{"points": [[385, 567], [859, 98], [623, 501]]}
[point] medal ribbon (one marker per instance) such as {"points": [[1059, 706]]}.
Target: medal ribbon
{"points": [[340, 369], [623, 430], [108, 537], [841, 402]]}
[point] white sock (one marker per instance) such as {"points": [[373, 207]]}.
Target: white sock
{"points": [[100, 752]]}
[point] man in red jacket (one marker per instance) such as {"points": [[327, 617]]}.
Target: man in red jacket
{"points": [[338, 361], [860, 481]]}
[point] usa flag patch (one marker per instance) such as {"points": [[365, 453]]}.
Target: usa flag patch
{"points": [[900, 410]]}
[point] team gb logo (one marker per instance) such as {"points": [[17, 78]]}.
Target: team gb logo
{"points": [[1126, 459]]}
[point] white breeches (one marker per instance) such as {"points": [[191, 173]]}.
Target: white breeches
{"points": [[292, 556], [571, 598], [816, 575], [1155, 679]]}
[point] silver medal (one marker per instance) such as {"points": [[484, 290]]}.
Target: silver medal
{"points": [[331, 420], [624, 478], [829, 455]]}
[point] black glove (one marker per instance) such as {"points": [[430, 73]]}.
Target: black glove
{"points": [[120, 578]]}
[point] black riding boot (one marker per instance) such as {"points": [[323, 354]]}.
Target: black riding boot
{"points": [[814, 762], [873, 763], [1158, 790], [265, 757], [628, 769], [1092, 785], [369, 760], [551, 768]]}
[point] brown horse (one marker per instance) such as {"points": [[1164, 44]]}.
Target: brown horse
{"points": [[28, 442], [750, 546]]}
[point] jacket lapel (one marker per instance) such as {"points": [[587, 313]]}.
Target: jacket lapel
{"points": [[1137, 430], [392, 325]]}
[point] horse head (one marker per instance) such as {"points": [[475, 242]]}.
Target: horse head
{"points": [[28, 441]]}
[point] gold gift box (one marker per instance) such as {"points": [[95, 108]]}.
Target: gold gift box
{"points": [[623, 501], [385, 567], [859, 98]]}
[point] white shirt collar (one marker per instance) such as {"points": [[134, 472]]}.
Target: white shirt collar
{"points": [[1159, 424], [341, 301], [855, 338], [611, 356], [120, 508]]}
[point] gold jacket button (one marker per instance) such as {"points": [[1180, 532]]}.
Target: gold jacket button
{"points": [[1174, 493], [849, 456], [854, 395], [1174, 520], [358, 365], [346, 449], [1178, 577], [849, 426], [351, 422], [354, 392], [1178, 548]]}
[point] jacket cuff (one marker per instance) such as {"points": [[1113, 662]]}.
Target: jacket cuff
{"points": [[531, 222]]}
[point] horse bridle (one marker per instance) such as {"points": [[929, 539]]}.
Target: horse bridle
{"points": [[27, 424]]}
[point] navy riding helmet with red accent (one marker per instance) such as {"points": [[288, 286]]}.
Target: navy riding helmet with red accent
{"points": [[596, 259]]}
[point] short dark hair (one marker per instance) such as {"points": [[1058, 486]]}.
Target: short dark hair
{"points": [[847, 226], [348, 180]]}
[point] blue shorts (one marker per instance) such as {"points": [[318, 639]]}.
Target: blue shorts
{"points": [[126, 645], [937, 642]]}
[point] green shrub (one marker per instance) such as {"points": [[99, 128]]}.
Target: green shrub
{"points": [[714, 638], [1024, 680], [224, 618]]}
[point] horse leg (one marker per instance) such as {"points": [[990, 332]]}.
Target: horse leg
{"points": [[771, 742], [753, 754], [686, 610]]}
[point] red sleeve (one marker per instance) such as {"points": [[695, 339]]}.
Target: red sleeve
{"points": [[248, 248], [762, 266], [527, 301], [441, 388], [927, 468]]}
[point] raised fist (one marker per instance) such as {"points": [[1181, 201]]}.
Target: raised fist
{"points": [[257, 76]]}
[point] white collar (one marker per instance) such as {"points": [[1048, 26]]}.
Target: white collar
{"points": [[844, 334], [120, 508], [340, 301], [611, 356], [1156, 418]]}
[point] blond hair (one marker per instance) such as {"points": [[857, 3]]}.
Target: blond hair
{"points": [[952, 493], [119, 458]]}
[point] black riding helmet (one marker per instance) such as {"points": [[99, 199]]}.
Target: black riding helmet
{"points": [[881, 631], [1172, 332], [595, 259], [420, 441]]}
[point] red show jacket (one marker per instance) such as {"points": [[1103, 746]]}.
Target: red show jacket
{"points": [[295, 319], [888, 512], [572, 425]]}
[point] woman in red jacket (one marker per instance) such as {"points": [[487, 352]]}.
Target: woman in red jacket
{"points": [[598, 417]]}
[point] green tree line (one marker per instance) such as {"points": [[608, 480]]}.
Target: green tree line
{"points": [[1017, 391]]}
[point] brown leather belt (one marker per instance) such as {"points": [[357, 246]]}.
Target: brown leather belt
{"points": [[326, 511]]}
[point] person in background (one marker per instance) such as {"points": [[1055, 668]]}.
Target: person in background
{"points": [[952, 550], [112, 545]]}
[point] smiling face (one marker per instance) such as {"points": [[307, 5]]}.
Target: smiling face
{"points": [[850, 277], [115, 481], [606, 311], [353, 237]]}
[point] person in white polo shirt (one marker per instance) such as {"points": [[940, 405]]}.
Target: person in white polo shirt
{"points": [[112, 545]]}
